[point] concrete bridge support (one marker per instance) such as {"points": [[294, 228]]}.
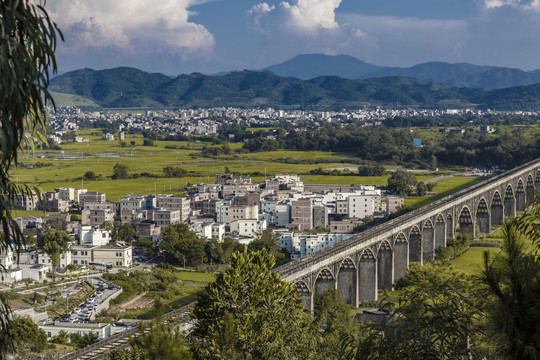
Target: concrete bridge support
{"points": [[440, 232], [385, 273], [450, 227], [428, 241], [509, 202], [401, 256], [305, 295], [529, 191], [367, 276], [497, 210], [537, 181], [325, 281], [466, 224], [483, 219], [347, 284], [520, 200], [415, 245]]}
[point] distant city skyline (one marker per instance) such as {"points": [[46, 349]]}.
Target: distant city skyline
{"points": [[210, 36]]}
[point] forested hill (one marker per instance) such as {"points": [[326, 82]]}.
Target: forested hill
{"points": [[309, 66], [128, 87]]}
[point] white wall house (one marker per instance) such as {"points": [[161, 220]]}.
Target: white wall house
{"points": [[7, 258], [36, 272], [302, 244], [53, 328], [44, 258], [116, 255], [11, 276], [89, 235], [218, 231], [82, 254], [248, 227]]}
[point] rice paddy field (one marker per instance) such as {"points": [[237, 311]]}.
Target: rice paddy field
{"points": [[66, 167]]}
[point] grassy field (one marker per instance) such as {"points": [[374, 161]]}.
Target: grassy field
{"points": [[62, 99], [444, 187], [470, 262], [174, 287], [65, 167]]}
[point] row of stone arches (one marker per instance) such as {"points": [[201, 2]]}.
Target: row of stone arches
{"points": [[361, 276]]}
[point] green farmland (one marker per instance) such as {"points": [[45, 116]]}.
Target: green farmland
{"points": [[66, 167]]}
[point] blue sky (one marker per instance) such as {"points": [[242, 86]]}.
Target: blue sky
{"points": [[208, 36]]}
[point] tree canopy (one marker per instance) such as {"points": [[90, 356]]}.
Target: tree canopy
{"points": [[249, 313], [179, 244]]}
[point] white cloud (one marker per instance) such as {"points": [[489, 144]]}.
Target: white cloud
{"points": [[305, 16], [311, 15], [258, 11], [520, 4], [135, 26]]}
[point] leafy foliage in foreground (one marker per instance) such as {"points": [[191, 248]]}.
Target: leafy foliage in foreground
{"points": [[249, 313]]}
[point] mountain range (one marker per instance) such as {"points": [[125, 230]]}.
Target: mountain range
{"points": [[309, 66], [128, 87]]}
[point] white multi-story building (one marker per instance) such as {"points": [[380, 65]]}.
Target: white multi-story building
{"points": [[44, 258], [218, 231], [202, 230], [132, 203], [247, 227], [91, 235], [70, 194], [7, 258], [302, 244], [116, 255], [361, 206], [82, 254]]}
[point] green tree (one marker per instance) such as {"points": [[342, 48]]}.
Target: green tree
{"points": [[512, 282], [421, 189], [333, 317], [174, 172], [270, 241], [57, 224], [26, 334], [119, 232], [120, 171], [179, 243], [90, 175], [55, 242], [400, 181], [161, 340], [371, 170], [250, 313], [27, 58], [127, 354], [439, 316], [81, 341], [62, 338], [213, 250]]}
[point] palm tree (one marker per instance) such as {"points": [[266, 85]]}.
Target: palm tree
{"points": [[512, 281]]}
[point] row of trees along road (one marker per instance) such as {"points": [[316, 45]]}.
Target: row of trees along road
{"points": [[250, 313]]}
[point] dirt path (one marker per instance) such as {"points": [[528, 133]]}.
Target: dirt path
{"points": [[136, 302]]}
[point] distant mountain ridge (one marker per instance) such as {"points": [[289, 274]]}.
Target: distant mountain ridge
{"points": [[128, 87], [309, 66]]}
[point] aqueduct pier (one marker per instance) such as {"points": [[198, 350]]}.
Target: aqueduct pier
{"points": [[375, 258]]}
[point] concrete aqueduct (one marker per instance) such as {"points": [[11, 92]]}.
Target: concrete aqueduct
{"points": [[375, 258]]}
